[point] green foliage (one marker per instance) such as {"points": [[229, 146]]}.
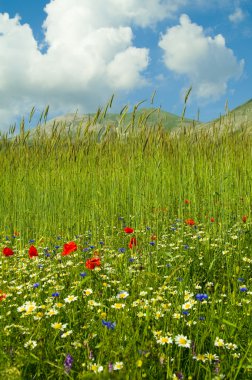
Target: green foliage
{"points": [[188, 197]]}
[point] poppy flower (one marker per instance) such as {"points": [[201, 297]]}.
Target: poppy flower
{"points": [[132, 243], [2, 295], [190, 222], [33, 252], [244, 218], [128, 230], [212, 220], [69, 247], [8, 251], [186, 201], [92, 263]]}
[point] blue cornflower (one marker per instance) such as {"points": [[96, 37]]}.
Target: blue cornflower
{"points": [[91, 246], [121, 250], [101, 242], [36, 285], [185, 312], [57, 246], [85, 250], [31, 240], [131, 259], [243, 289], [83, 274], [152, 243], [201, 297], [201, 318], [186, 246], [56, 294], [240, 279], [109, 325]]}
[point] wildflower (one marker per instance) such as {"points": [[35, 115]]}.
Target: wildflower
{"points": [[187, 305], [66, 334], [212, 220], [33, 252], [87, 292], [83, 274], [30, 344], [219, 342], [190, 222], [182, 341], [70, 298], [36, 285], [96, 368], [186, 201], [244, 218], [59, 326], [118, 306], [109, 325], [56, 294], [2, 295], [28, 307], [231, 346], [118, 366], [52, 312], [132, 243], [128, 230], [139, 363], [121, 250], [165, 340], [8, 251], [201, 297], [93, 263], [152, 243], [243, 288], [69, 247], [123, 294], [68, 363]]}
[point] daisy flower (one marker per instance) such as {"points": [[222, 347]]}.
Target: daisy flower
{"points": [[182, 341]]}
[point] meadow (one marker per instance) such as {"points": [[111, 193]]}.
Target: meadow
{"points": [[126, 254]]}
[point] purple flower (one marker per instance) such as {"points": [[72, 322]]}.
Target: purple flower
{"points": [[109, 325], [56, 294], [83, 274], [36, 285], [68, 363], [201, 297]]}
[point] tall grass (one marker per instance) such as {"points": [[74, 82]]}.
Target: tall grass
{"points": [[88, 184]]}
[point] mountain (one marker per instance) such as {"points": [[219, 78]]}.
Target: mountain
{"points": [[150, 117]]}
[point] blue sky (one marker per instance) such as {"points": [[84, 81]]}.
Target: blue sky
{"points": [[74, 54]]}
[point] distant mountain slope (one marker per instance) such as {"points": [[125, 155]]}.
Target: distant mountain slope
{"points": [[237, 118], [146, 116]]}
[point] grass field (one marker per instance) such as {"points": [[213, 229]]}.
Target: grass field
{"points": [[126, 255]]}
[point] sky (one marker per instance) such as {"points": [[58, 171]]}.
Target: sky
{"points": [[74, 54]]}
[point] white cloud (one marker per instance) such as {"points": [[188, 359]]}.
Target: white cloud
{"points": [[237, 16], [90, 53], [205, 61]]}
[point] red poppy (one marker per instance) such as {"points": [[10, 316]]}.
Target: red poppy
{"points": [[153, 237], [2, 295], [244, 218], [7, 251], [190, 222], [128, 230], [212, 220], [92, 263], [186, 201], [132, 243], [69, 247], [33, 252]]}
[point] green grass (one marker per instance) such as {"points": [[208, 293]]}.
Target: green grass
{"points": [[86, 187]]}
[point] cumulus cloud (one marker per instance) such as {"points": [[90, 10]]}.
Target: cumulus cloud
{"points": [[206, 61], [88, 54], [237, 16]]}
